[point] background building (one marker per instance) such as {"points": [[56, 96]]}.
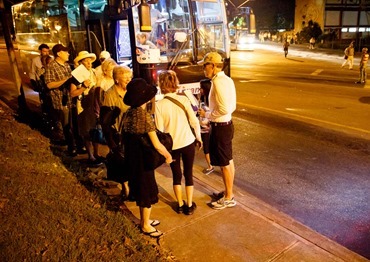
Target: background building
{"points": [[342, 21]]}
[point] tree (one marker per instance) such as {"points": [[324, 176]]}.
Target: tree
{"points": [[313, 29]]}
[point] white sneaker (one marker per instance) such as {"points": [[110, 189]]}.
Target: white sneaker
{"points": [[223, 203]]}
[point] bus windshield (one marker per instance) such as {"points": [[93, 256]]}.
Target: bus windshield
{"points": [[179, 32]]}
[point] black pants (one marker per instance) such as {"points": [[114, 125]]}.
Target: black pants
{"points": [[63, 121]]}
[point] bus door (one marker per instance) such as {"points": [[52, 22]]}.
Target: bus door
{"points": [[95, 36]]}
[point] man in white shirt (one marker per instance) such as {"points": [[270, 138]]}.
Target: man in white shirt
{"points": [[36, 64], [222, 103]]}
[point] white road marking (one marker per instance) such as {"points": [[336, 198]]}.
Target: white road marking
{"points": [[318, 71]]}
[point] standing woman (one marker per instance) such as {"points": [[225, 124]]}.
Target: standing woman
{"points": [[171, 118], [87, 118], [104, 82], [137, 122], [111, 116]]}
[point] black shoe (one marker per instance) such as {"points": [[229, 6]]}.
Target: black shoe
{"points": [[219, 195], [81, 151], [181, 209], [72, 153], [190, 210], [94, 163]]}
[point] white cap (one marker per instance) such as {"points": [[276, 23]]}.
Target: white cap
{"points": [[104, 54]]}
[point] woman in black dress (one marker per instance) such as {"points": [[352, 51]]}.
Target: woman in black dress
{"points": [[137, 122]]}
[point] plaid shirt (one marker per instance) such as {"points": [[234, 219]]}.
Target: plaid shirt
{"points": [[57, 72]]}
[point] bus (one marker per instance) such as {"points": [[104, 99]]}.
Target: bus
{"points": [[243, 29], [183, 31]]}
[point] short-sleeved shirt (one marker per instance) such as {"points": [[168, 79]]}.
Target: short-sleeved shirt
{"points": [[138, 121], [57, 72], [114, 99]]}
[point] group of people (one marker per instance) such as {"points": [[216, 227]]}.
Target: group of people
{"points": [[349, 53], [120, 104]]}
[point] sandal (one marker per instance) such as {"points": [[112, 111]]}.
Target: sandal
{"points": [[153, 234], [155, 223]]}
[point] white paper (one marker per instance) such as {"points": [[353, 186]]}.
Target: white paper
{"points": [[81, 73]]}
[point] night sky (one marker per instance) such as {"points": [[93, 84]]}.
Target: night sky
{"points": [[269, 13]]}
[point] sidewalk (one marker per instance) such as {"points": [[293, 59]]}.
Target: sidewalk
{"points": [[251, 231]]}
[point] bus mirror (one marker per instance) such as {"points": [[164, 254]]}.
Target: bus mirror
{"points": [[144, 17]]}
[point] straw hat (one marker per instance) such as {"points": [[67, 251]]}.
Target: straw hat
{"points": [[83, 55]]}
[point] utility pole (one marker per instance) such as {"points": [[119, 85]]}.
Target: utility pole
{"points": [[22, 104]]}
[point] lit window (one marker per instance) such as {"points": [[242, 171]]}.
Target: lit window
{"points": [[368, 29], [352, 29], [361, 29], [344, 29]]}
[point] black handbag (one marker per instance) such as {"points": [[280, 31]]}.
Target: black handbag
{"points": [[152, 158], [116, 166]]}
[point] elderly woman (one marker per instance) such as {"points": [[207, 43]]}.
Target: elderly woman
{"points": [[178, 121], [111, 114], [87, 119], [136, 123], [104, 82]]}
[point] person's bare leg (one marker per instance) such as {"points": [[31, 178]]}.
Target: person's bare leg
{"points": [[228, 173], [145, 219], [178, 194], [189, 194]]}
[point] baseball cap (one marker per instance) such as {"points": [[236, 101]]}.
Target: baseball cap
{"points": [[57, 48], [211, 58], [104, 54]]}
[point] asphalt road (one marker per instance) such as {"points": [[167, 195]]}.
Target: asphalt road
{"points": [[304, 171]]}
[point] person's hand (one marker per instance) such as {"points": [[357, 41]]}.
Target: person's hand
{"points": [[169, 159], [199, 144], [87, 83]]}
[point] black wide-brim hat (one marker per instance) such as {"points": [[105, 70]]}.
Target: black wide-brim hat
{"points": [[138, 92]]}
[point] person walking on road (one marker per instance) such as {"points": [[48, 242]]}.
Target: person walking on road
{"points": [[349, 53], [363, 66], [222, 103], [312, 43], [285, 47]]}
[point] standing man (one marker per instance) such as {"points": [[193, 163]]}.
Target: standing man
{"points": [[222, 103], [36, 65], [57, 76], [363, 66], [349, 52]]}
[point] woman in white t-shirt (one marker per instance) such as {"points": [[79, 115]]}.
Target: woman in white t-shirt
{"points": [[171, 118]]}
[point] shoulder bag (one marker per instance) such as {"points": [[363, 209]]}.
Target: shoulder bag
{"points": [[152, 158]]}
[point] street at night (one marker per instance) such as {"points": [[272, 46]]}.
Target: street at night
{"points": [[292, 148]]}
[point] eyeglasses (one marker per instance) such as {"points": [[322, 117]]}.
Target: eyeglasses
{"points": [[205, 65]]}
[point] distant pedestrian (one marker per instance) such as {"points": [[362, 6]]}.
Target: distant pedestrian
{"points": [[349, 53], [285, 47], [363, 66], [222, 103], [312, 43]]}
